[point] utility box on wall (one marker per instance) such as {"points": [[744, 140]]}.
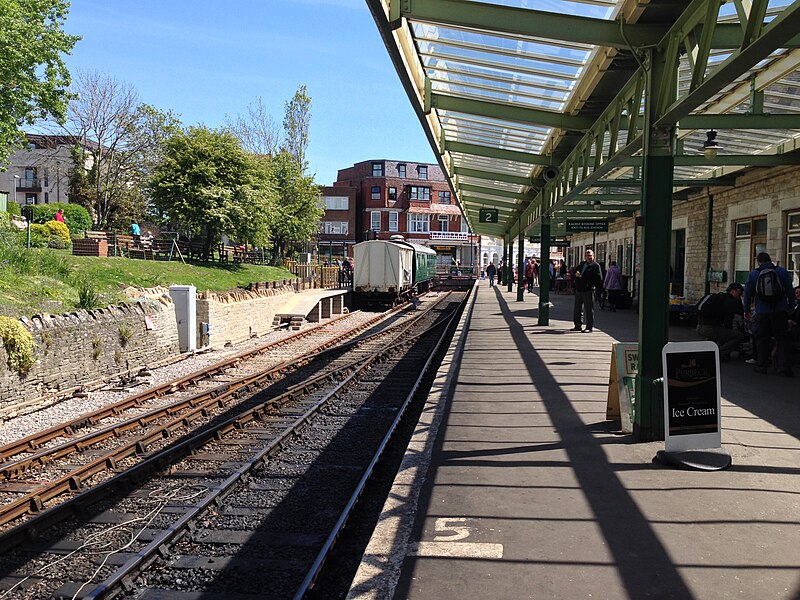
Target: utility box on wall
{"points": [[185, 299]]}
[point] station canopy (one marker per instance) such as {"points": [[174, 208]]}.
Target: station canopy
{"points": [[536, 107]]}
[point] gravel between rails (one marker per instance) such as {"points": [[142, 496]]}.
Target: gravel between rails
{"points": [[20, 427]]}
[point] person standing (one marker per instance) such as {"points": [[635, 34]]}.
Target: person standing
{"points": [[770, 289], [613, 284], [587, 278], [59, 215], [500, 273], [717, 322], [490, 273], [529, 275]]}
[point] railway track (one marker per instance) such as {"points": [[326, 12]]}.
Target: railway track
{"points": [[248, 466]]}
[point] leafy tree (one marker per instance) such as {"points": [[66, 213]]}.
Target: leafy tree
{"points": [[296, 120], [257, 131], [122, 143], [207, 183], [33, 76], [297, 211]]}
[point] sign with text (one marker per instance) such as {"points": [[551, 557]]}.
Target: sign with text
{"points": [[587, 225], [692, 418], [622, 384], [487, 215], [554, 242]]}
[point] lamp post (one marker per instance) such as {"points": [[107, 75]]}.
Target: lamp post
{"points": [[16, 185]]}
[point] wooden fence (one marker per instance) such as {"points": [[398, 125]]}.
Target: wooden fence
{"points": [[324, 277]]}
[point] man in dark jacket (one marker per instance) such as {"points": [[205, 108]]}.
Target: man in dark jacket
{"points": [[719, 327], [587, 277], [771, 315]]}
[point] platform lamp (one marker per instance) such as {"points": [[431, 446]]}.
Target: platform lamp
{"points": [[711, 145]]}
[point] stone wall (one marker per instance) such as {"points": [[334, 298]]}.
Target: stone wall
{"points": [[231, 317], [76, 348]]}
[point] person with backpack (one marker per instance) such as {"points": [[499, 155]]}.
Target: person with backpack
{"points": [[770, 289], [715, 319]]}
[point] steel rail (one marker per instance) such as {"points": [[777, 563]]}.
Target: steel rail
{"points": [[34, 502]]}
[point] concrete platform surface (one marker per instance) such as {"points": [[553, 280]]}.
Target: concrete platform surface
{"points": [[515, 485], [302, 303]]}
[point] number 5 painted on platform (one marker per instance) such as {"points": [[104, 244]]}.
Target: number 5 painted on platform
{"points": [[451, 524]]}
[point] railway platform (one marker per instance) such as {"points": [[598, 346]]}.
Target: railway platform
{"points": [[516, 486], [311, 306]]}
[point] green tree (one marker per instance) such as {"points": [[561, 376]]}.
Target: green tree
{"points": [[33, 76], [297, 210], [207, 183], [296, 122]]}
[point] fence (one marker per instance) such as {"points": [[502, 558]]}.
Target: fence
{"points": [[323, 277]]}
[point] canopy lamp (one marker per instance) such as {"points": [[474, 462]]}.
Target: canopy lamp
{"points": [[597, 203], [711, 145]]}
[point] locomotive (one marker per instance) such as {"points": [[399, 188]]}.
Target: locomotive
{"points": [[391, 271]]}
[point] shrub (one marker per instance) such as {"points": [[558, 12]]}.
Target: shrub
{"points": [[40, 236], [13, 208], [5, 220], [19, 345], [60, 231], [88, 298], [76, 217]]}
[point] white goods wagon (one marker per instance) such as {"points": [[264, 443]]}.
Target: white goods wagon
{"points": [[382, 268]]}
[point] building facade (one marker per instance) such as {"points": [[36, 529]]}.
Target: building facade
{"points": [[38, 173], [338, 227], [409, 199]]}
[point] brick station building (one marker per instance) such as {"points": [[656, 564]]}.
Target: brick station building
{"points": [[376, 199]]}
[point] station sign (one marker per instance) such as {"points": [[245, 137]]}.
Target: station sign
{"points": [[554, 242], [488, 215], [589, 225], [692, 417]]}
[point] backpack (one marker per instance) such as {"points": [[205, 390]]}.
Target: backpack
{"points": [[710, 306], [768, 286]]}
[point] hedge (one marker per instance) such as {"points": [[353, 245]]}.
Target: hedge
{"points": [[76, 217]]}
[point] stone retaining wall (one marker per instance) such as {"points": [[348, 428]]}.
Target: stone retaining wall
{"points": [[76, 348]]}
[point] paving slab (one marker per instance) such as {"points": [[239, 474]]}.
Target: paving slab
{"points": [[516, 486]]}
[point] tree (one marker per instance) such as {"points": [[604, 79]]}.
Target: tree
{"points": [[296, 120], [297, 210], [257, 131], [120, 144], [33, 76], [209, 184]]}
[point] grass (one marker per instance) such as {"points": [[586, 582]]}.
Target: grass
{"points": [[55, 281]]}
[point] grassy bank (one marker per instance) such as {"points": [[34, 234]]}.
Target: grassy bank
{"points": [[53, 281]]}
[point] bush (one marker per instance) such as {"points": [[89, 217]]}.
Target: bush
{"points": [[19, 345], [88, 298], [76, 217], [5, 220], [60, 231], [13, 208], [40, 236]]}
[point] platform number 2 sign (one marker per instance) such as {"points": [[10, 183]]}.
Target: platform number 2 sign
{"points": [[487, 215]]}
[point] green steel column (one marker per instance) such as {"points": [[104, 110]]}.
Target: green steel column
{"points": [[709, 232], [544, 274], [521, 267], [510, 280], [658, 163], [502, 280]]}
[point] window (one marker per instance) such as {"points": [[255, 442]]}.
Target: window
{"points": [[392, 193], [423, 171], [750, 240], [375, 220], [377, 169], [444, 197], [376, 192], [30, 198], [46, 198], [46, 177], [464, 226], [29, 179], [793, 246], [443, 223], [394, 221], [419, 193], [401, 170], [337, 202], [335, 227], [419, 223]]}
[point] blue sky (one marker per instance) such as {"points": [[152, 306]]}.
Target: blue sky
{"points": [[206, 60]]}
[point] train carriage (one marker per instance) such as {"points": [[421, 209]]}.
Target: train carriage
{"points": [[390, 271]]}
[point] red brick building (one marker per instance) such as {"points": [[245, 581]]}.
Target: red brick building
{"points": [[401, 198]]}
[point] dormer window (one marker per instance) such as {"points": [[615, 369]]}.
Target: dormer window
{"points": [[377, 169], [423, 171], [401, 170]]}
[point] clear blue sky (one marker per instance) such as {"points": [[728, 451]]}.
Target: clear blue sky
{"points": [[205, 60]]}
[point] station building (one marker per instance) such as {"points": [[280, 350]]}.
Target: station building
{"points": [[379, 198]]}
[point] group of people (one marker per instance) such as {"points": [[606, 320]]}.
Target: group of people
{"points": [[769, 317]]}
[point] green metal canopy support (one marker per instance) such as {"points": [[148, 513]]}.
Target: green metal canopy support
{"points": [[658, 164], [544, 274], [510, 265], [521, 267], [502, 280]]}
